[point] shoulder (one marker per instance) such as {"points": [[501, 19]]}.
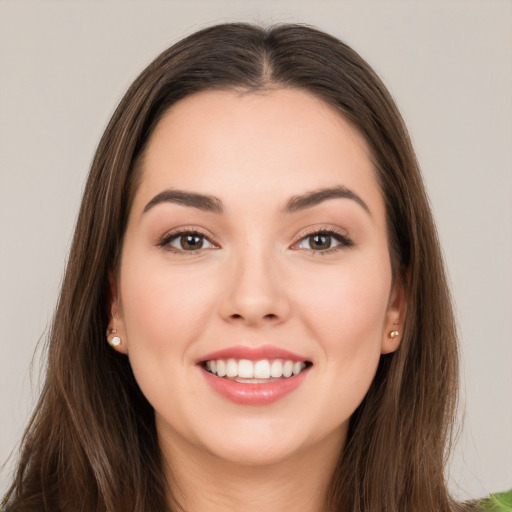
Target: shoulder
{"points": [[499, 502]]}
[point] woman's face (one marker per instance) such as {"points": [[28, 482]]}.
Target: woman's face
{"points": [[256, 245]]}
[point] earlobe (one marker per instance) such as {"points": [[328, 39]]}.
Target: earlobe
{"points": [[115, 330], [395, 317], [391, 342]]}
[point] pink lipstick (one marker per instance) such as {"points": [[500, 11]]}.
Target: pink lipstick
{"points": [[254, 375], [253, 353]]}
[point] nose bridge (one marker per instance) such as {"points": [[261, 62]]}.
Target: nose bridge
{"points": [[255, 293]]}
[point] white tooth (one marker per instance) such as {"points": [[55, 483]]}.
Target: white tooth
{"points": [[221, 367], [213, 366], [288, 368], [245, 369], [297, 368], [208, 365], [262, 369], [231, 368], [276, 368]]}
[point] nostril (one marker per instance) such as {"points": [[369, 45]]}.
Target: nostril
{"points": [[269, 316]]}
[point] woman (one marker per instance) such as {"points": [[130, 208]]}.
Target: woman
{"points": [[256, 241]]}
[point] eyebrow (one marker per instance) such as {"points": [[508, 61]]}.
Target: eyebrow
{"points": [[310, 199], [191, 199], [295, 204]]}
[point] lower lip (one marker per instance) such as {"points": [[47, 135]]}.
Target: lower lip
{"points": [[254, 394]]}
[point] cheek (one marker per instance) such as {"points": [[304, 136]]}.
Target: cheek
{"points": [[163, 310], [349, 300], [347, 316], [162, 306]]}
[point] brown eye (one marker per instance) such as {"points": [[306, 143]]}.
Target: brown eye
{"points": [[189, 242], [324, 241], [320, 241]]}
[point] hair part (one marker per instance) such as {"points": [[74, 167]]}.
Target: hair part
{"points": [[92, 443]]}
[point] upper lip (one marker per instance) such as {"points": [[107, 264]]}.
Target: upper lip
{"points": [[252, 353]]}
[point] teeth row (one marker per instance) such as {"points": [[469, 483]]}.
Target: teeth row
{"points": [[246, 369]]}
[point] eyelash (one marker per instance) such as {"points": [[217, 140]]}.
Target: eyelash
{"points": [[344, 241]]}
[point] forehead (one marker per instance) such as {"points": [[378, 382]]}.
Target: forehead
{"points": [[226, 142]]}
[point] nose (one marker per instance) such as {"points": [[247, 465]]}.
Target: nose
{"points": [[255, 294]]}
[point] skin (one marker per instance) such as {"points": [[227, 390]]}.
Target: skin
{"points": [[255, 281]]}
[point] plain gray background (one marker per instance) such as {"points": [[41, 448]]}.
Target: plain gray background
{"points": [[64, 65]]}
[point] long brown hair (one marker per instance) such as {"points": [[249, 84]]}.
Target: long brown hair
{"points": [[91, 444]]}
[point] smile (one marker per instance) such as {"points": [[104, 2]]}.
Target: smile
{"points": [[255, 372], [254, 376]]}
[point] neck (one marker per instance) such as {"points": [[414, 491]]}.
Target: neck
{"points": [[202, 482]]}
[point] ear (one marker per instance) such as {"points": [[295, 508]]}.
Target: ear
{"points": [[395, 316], [116, 332]]}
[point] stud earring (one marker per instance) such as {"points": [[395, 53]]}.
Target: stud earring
{"points": [[394, 334], [115, 341]]}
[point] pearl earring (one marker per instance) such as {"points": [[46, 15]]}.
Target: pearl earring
{"points": [[115, 341]]}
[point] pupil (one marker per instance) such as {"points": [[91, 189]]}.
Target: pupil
{"points": [[191, 241], [321, 241]]}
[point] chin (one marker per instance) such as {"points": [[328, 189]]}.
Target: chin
{"points": [[254, 443], [251, 452]]}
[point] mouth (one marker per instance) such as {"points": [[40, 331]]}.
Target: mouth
{"points": [[261, 371], [254, 376]]}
